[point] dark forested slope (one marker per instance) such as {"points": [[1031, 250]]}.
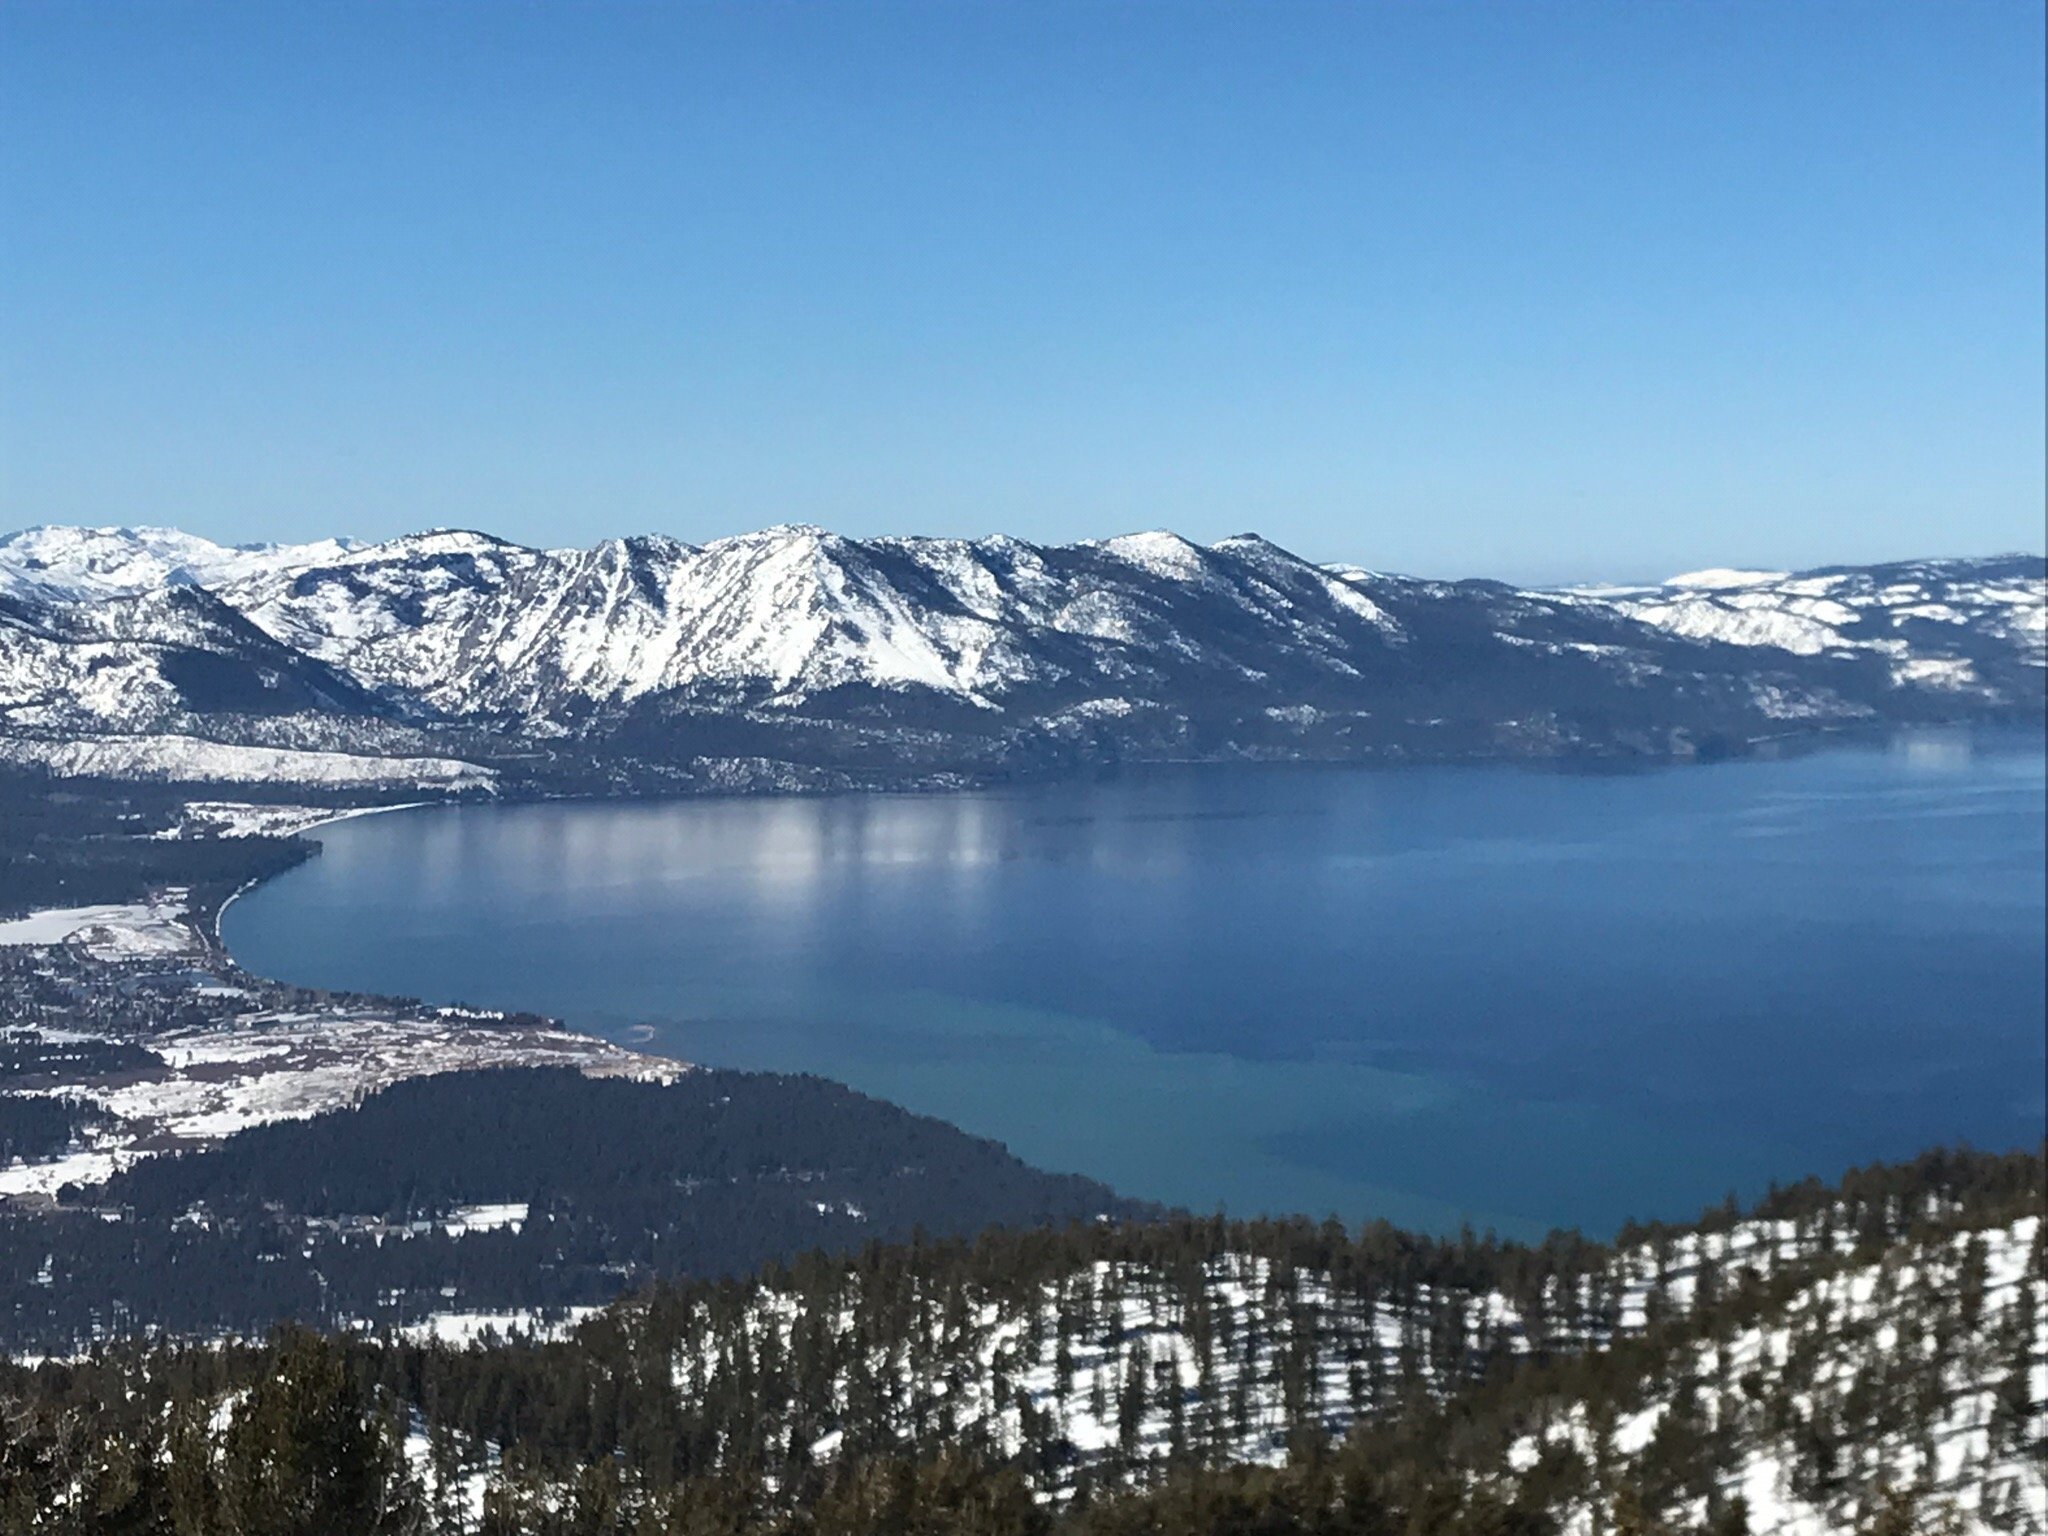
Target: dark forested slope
{"points": [[359, 1215], [1867, 1357]]}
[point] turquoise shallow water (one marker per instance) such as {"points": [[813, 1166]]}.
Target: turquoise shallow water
{"points": [[1515, 997]]}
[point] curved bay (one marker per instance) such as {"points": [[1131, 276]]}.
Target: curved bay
{"points": [[1515, 997]]}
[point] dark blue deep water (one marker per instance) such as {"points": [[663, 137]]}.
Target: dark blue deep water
{"points": [[1512, 996]]}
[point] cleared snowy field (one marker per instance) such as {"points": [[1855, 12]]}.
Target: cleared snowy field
{"points": [[127, 931], [214, 1083], [255, 1065]]}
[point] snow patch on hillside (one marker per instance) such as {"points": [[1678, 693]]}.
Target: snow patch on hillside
{"points": [[191, 759], [478, 1330]]}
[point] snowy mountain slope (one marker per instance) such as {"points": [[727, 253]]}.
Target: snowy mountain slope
{"points": [[1939, 622], [472, 625], [136, 661], [898, 654], [1124, 1355], [1868, 1358], [1918, 1382], [53, 563], [1794, 1373]]}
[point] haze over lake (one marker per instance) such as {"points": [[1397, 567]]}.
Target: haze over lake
{"points": [[1512, 996]]}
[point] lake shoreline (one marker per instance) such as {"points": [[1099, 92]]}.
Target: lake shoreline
{"points": [[690, 1021]]}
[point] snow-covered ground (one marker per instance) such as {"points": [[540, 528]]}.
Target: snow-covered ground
{"points": [[492, 1217], [234, 818], [465, 1330], [125, 931], [190, 759]]}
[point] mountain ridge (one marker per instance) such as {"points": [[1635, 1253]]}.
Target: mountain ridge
{"points": [[639, 657]]}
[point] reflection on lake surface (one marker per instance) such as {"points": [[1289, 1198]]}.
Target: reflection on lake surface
{"points": [[1515, 997]]}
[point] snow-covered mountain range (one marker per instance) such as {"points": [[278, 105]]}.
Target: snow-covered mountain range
{"points": [[646, 660]]}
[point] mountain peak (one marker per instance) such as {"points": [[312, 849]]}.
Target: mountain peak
{"points": [[441, 542], [1161, 552], [782, 533]]}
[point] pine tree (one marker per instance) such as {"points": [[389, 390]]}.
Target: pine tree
{"points": [[309, 1452]]}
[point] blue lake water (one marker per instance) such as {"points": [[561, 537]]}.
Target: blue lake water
{"points": [[1515, 997]]}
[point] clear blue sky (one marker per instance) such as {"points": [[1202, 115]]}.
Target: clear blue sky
{"points": [[1540, 290]]}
